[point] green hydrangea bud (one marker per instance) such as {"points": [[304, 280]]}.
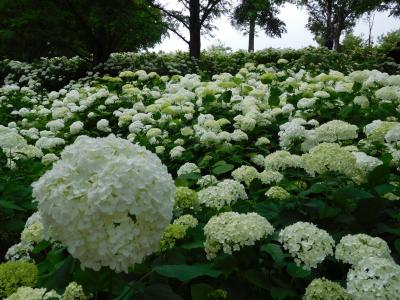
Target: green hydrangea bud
{"points": [[185, 198], [323, 289]]}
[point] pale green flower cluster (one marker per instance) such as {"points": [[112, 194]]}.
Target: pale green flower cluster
{"points": [[269, 177], [335, 131], [374, 278], [225, 192], [177, 231], [323, 289], [185, 198], [28, 293], [89, 203], [14, 274], [230, 231], [188, 168], [245, 174], [281, 160], [306, 243], [74, 291], [353, 248], [277, 193], [327, 157]]}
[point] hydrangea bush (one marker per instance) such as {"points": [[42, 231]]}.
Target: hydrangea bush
{"points": [[259, 176]]}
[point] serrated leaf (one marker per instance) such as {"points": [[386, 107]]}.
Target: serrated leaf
{"points": [[186, 273]]}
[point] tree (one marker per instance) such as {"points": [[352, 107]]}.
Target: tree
{"points": [[263, 13], [195, 16], [328, 19], [353, 42], [90, 29], [389, 40]]}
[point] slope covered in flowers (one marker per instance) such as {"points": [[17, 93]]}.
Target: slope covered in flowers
{"points": [[286, 184]]}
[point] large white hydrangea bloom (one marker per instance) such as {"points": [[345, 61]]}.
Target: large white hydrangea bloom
{"points": [[107, 200], [306, 243], [374, 278]]}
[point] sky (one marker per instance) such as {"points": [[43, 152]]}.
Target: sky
{"points": [[297, 35]]}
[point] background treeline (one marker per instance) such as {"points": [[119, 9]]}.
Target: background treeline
{"points": [[30, 29]]}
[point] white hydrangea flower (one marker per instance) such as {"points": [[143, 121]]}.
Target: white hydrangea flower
{"points": [[28, 293], [306, 243], [281, 160], [207, 180], [188, 168], [225, 192], [365, 162], [374, 278], [55, 125], [245, 174], [176, 152], [107, 200], [76, 127], [336, 130], [49, 159], [103, 125], [353, 248], [231, 231], [393, 135]]}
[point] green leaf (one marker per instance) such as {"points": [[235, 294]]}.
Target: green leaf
{"points": [[379, 175], [193, 245], [352, 194], [186, 273], [316, 188], [226, 96], [296, 271], [256, 278], [61, 277], [200, 291], [10, 205], [273, 99], [384, 188], [275, 251], [222, 169], [280, 293], [40, 247]]}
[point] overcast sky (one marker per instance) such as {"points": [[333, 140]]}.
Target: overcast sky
{"points": [[297, 35]]}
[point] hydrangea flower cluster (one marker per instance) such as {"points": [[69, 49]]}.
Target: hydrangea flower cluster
{"points": [[374, 278], [323, 289], [100, 200], [231, 231], [225, 192], [353, 248], [14, 274], [177, 231], [306, 243]]}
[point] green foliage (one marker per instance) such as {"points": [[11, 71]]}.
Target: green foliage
{"points": [[352, 42], [14, 274], [93, 30], [389, 40]]}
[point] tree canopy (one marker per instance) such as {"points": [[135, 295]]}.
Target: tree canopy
{"points": [[263, 13], [90, 29]]}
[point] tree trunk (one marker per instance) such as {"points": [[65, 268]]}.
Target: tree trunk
{"points": [[339, 28], [252, 31], [194, 27], [329, 34]]}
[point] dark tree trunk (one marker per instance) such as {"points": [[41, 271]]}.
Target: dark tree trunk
{"points": [[329, 33], [339, 28], [252, 31], [195, 27]]}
